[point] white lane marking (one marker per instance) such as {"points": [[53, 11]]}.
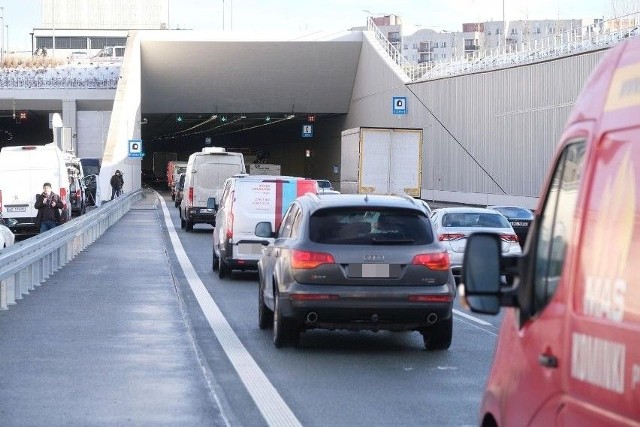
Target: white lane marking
{"points": [[468, 316], [273, 408]]}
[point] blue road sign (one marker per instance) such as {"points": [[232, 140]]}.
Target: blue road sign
{"points": [[399, 105], [307, 131], [135, 148]]}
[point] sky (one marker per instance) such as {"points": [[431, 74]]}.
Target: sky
{"points": [[21, 16]]}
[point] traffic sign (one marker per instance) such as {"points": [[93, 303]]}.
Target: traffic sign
{"points": [[135, 148], [307, 131], [207, 141], [399, 105]]}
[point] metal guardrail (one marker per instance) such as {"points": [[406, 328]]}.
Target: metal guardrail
{"points": [[27, 264], [66, 77], [570, 42]]}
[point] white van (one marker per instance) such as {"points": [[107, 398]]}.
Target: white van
{"points": [[246, 201], [204, 178], [23, 171]]}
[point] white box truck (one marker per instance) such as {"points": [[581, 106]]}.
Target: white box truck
{"points": [[381, 161]]}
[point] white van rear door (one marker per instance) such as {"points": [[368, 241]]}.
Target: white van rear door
{"points": [[209, 180]]}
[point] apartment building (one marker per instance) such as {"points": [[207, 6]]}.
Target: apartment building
{"points": [[425, 45]]}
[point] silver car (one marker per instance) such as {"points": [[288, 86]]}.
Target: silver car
{"points": [[454, 225]]}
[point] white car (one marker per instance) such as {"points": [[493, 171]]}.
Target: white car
{"points": [[7, 238], [454, 225]]}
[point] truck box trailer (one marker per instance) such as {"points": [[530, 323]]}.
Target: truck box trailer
{"points": [[381, 161]]}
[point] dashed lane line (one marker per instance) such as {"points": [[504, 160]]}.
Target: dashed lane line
{"points": [[470, 317], [271, 405]]}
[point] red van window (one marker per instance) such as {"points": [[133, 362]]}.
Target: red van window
{"points": [[556, 223]]}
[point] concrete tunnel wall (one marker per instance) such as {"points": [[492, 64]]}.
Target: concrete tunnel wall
{"points": [[124, 124]]}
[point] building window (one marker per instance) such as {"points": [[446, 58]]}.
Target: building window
{"points": [[444, 44], [71, 42], [101, 42], [44, 42], [498, 31], [415, 45], [551, 30], [514, 31], [538, 30]]}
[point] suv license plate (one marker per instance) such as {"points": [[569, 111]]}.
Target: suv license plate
{"points": [[519, 224], [380, 271], [16, 208]]}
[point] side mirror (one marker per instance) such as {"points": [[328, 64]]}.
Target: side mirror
{"points": [[263, 229], [481, 272], [211, 203]]}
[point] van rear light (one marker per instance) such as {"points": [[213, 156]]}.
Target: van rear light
{"points": [[63, 196], [190, 197], [448, 237], [313, 297], [0, 200], [430, 298], [229, 229], [305, 260], [437, 261], [78, 194], [511, 238]]}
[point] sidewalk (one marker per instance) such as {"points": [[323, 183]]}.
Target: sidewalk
{"points": [[103, 341]]}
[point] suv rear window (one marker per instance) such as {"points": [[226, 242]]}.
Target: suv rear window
{"points": [[383, 226]]}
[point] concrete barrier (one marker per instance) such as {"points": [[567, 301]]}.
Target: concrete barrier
{"points": [[27, 264]]}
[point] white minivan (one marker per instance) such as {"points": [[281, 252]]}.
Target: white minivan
{"points": [[246, 201], [204, 179], [23, 171]]}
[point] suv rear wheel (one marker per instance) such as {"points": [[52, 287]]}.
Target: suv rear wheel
{"points": [[265, 316], [283, 330], [438, 336]]}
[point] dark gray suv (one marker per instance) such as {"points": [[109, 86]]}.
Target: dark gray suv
{"points": [[355, 262]]}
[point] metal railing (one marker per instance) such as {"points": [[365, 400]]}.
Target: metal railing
{"points": [[27, 264], [65, 77], [570, 42]]}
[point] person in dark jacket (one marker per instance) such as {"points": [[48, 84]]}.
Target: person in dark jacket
{"points": [[117, 181], [48, 204]]}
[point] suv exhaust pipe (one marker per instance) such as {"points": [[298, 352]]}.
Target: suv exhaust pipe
{"points": [[432, 318], [312, 317]]}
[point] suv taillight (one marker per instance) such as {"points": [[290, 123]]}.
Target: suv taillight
{"points": [[308, 259], [437, 261]]}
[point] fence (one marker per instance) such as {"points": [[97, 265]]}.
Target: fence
{"points": [[570, 42], [64, 77], [27, 264]]}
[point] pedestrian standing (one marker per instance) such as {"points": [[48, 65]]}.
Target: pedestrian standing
{"points": [[117, 182], [48, 205]]}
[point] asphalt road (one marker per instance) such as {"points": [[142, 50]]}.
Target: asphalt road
{"points": [[332, 378]]}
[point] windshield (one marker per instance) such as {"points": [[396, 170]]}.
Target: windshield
{"points": [[514, 212], [474, 219], [348, 226]]}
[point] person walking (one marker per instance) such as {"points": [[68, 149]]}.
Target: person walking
{"points": [[117, 182], [48, 205]]}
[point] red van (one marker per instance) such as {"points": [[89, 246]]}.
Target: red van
{"points": [[568, 352]]}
